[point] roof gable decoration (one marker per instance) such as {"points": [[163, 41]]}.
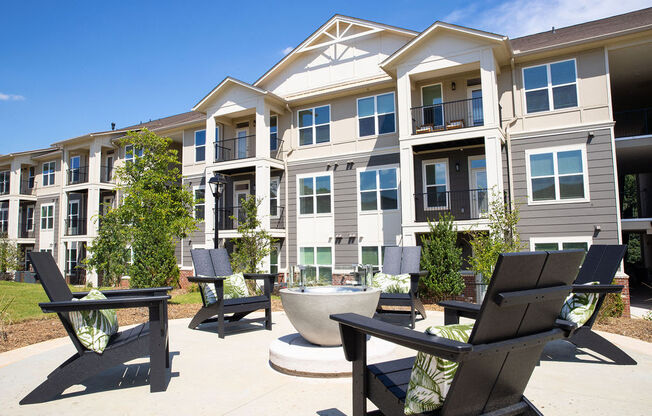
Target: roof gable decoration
{"points": [[230, 80]]}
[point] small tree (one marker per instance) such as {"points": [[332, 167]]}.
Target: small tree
{"points": [[109, 251], [442, 258], [254, 243], [10, 257], [502, 237]]}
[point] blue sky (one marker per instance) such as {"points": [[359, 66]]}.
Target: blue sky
{"points": [[68, 68]]}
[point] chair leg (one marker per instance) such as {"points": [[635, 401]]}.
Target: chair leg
{"points": [[422, 310], [585, 338], [413, 316], [220, 324], [167, 353], [268, 319], [203, 314], [157, 351]]}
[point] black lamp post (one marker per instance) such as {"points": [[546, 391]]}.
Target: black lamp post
{"points": [[216, 183]]}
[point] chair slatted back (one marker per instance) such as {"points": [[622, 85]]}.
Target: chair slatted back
{"points": [[201, 260], [221, 262], [601, 264], [55, 287], [399, 260], [490, 382], [392, 260]]}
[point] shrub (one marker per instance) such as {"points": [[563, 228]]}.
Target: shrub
{"points": [[612, 307], [442, 259]]}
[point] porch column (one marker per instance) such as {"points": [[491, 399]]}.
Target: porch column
{"points": [[209, 213], [262, 195], [404, 100], [92, 210], [488, 68], [407, 187], [494, 160], [210, 142], [262, 130], [14, 201], [94, 161]]}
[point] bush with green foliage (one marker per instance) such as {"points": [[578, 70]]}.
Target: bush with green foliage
{"points": [[612, 307], [502, 237], [155, 212], [442, 258], [254, 243], [10, 257]]}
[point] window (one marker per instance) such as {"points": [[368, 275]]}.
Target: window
{"points": [[376, 115], [273, 260], [47, 217], [374, 255], [273, 133], [132, 154], [560, 243], [435, 182], [556, 83], [378, 185], [4, 220], [314, 125], [200, 202], [557, 175], [71, 257], [274, 197], [315, 195], [48, 173], [200, 145], [4, 182], [30, 219], [318, 262], [30, 177]]}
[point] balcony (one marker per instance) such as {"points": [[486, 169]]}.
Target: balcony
{"points": [[229, 218], [631, 123], [234, 149], [77, 175], [471, 204], [75, 226], [24, 231], [107, 174], [447, 116], [28, 187]]}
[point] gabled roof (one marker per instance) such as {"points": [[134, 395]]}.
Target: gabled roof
{"points": [[619, 25], [36, 152], [312, 41], [230, 80], [393, 58]]}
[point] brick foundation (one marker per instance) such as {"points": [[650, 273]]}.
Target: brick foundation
{"points": [[184, 274], [623, 279]]}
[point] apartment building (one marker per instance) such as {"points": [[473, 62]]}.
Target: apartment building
{"points": [[365, 131]]}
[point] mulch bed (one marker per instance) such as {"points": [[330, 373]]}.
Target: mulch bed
{"points": [[33, 331]]}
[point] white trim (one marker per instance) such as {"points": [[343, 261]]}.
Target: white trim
{"points": [[376, 169], [276, 179], [470, 172], [270, 132], [51, 173], [27, 220], [314, 251], [549, 87], [196, 188], [236, 145], [314, 195], [379, 252], [556, 131], [41, 217], [236, 203], [424, 186], [375, 116], [194, 145], [314, 127], [560, 240], [554, 150]]}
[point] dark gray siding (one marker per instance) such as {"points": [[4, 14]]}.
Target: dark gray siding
{"points": [[344, 201], [575, 219]]}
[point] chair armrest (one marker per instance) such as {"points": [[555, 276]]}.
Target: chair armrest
{"points": [[128, 292], [567, 326], [259, 276], [268, 281], [597, 288], [457, 305], [414, 281], [111, 303], [429, 344], [205, 279]]}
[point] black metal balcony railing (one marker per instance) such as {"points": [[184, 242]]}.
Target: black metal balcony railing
{"points": [[107, 174], [236, 148], [77, 175], [636, 122], [24, 231], [27, 187], [447, 116], [229, 218], [75, 226], [471, 204]]}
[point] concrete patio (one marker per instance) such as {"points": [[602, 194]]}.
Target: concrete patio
{"points": [[232, 376]]}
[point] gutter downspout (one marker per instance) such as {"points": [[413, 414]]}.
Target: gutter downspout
{"points": [[287, 197], [508, 140]]}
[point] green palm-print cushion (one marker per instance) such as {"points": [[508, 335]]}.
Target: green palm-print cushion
{"points": [[432, 376], [578, 307], [390, 283], [94, 327], [234, 287]]}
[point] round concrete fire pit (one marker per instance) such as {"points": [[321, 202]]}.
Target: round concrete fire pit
{"points": [[309, 309]]}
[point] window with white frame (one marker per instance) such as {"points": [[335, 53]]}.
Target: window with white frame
{"points": [[4, 220], [132, 154], [200, 145], [71, 257], [47, 217], [557, 174], [315, 195], [378, 189], [274, 197], [376, 115], [30, 218], [560, 243], [554, 83], [273, 133], [314, 125], [4, 182], [48, 173], [30, 177], [200, 202], [435, 183], [318, 262], [274, 259], [373, 255]]}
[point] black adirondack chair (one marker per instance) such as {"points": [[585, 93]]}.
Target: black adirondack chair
{"points": [[516, 320], [600, 264], [210, 267], [400, 260], [149, 339]]}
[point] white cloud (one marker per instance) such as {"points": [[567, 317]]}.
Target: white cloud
{"points": [[11, 97], [287, 50], [525, 17]]}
